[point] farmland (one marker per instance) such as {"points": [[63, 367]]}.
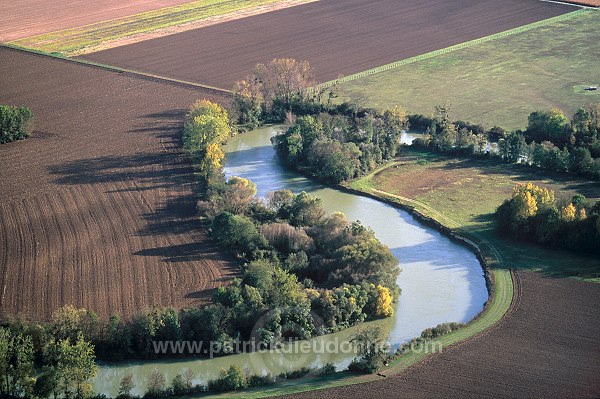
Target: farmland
{"points": [[33, 17], [537, 350], [499, 82], [145, 25], [334, 36], [98, 208]]}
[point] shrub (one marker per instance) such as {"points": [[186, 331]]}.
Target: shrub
{"points": [[230, 380], [16, 123]]}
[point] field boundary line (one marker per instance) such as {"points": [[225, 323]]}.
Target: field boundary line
{"points": [[131, 72], [455, 47]]}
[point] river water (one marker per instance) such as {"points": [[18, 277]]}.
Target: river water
{"points": [[441, 281]]}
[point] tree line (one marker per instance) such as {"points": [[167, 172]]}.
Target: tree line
{"points": [[551, 141], [534, 214], [297, 262], [335, 147], [336, 136]]}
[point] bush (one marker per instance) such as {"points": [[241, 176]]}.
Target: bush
{"points": [[295, 374], [230, 380], [16, 123], [328, 368]]}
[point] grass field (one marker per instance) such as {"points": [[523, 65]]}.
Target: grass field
{"points": [[498, 82], [463, 194], [76, 39]]}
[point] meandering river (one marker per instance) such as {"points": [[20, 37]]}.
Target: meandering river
{"points": [[441, 281]]}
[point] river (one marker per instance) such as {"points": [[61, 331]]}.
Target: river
{"points": [[441, 281]]}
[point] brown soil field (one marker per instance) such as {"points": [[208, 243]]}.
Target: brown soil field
{"points": [[590, 3], [25, 18], [545, 347], [335, 36], [97, 207]]}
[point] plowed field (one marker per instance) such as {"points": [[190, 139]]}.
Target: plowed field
{"points": [[335, 36], [97, 208], [546, 347], [25, 18]]}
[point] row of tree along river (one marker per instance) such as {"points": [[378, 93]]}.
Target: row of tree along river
{"points": [[441, 281]]}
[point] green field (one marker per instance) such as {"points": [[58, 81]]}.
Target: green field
{"points": [[498, 81], [463, 194], [74, 40]]}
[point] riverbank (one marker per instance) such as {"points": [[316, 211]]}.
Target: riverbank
{"points": [[499, 282]]}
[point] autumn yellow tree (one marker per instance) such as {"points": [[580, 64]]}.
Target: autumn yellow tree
{"points": [[568, 213], [384, 302], [206, 128]]}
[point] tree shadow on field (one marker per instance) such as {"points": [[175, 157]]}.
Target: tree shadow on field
{"points": [[160, 186]]}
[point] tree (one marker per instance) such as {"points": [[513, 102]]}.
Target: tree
{"points": [[126, 386], [549, 126], [47, 384], [16, 123], [275, 85], [372, 350], [237, 232], [74, 364], [16, 363], [206, 127], [156, 385], [568, 213], [306, 210], [179, 386], [384, 302], [231, 379], [234, 196]]}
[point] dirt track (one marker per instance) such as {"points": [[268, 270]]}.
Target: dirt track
{"points": [[546, 347], [25, 18], [96, 209], [336, 36]]}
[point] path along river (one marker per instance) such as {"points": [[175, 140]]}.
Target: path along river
{"points": [[441, 281]]}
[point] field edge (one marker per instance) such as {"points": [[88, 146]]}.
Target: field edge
{"points": [[460, 46]]}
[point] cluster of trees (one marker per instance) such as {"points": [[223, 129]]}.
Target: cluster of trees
{"points": [[205, 129], [298, 262], [534, 214], [336, 147], [272, 90], [66, 361], [16, 123], [550, 141]]}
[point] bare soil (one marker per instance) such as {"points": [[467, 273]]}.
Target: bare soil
{"points": [[97, 209], [546, 347], [589, 3], [26, 18], [335, 36]]}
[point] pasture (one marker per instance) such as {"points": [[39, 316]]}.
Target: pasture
{"points": [[499, 82]]}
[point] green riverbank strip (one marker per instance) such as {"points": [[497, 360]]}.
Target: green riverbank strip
{"points": [[456, 47], [76, 39], [499, 302]]}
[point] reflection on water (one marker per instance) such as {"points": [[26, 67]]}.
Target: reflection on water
{"points": [[441, 281]]}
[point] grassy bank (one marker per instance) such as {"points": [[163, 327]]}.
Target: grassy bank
{"points": [[463, 194], [497, 80], [73, 40], [498, 304]]}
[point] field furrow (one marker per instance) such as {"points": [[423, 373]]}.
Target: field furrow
{"points": [[98, 208]]}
